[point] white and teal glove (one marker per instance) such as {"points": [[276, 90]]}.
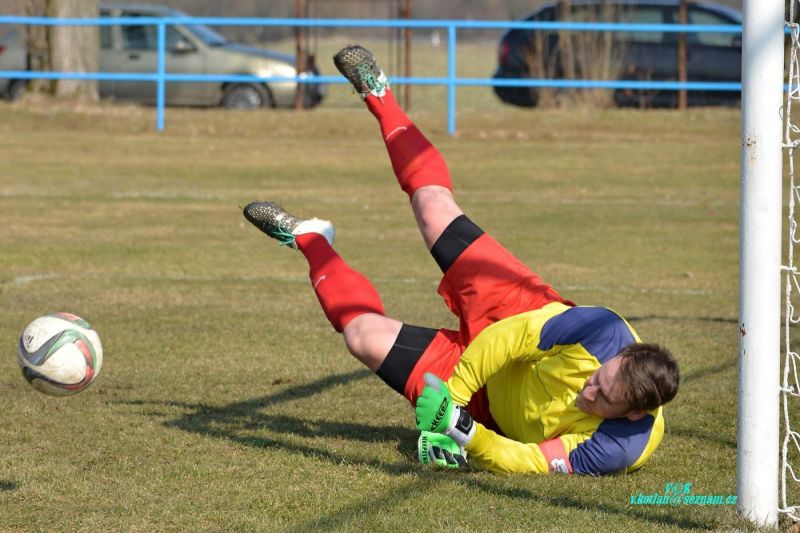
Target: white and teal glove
{"points": [[440, 450], [437, 413]]}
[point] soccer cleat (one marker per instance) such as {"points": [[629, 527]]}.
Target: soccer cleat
{"points": [[273, 220], [358, 65]]}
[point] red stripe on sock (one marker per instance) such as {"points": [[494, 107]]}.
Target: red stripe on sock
{"points": [[342, 292], [416, 162]]}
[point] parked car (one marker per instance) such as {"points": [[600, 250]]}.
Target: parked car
{"points": [[13, 56], [626, 55], [194, 49]]}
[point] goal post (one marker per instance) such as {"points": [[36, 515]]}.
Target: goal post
{"points": [[757, 462]]}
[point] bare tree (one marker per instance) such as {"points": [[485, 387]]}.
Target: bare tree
{"points": [[683, 18], [576, 55], [37, 44], [565, 40], [74, 48]]}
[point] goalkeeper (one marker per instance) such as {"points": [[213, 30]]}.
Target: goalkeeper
{"points": [[530, 382]]}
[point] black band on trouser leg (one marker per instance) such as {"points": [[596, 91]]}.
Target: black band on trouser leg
{"points": [[456, 238], [411, 342]]}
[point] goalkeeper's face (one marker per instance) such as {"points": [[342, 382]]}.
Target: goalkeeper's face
{"points": [[602, 394]]}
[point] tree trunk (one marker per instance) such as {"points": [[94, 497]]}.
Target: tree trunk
{"points": [[36, 42], [406, 14], [299, 63], [683, 18], [566, 40], [74, 48]]}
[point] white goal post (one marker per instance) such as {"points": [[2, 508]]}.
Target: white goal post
{"points": [[758, 444]]}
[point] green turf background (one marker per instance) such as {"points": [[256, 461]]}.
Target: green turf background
{"points": [[227, 403]]}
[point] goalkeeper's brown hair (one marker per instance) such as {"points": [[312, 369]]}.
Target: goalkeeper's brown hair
{"points": [[648, 376]]}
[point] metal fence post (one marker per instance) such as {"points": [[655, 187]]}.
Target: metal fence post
{"points": [[161, 77], [160, 84], [451, 79]]}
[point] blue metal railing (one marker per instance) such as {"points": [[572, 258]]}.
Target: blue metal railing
{"points": [[160, 77]]}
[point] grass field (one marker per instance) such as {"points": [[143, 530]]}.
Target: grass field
{"points": [[226, 401]]}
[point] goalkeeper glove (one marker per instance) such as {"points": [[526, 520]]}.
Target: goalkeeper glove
{"points": [[436, 412], [440, 450]]}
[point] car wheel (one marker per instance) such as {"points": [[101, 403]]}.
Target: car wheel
{"points": [[518, 96], [16, 89], [245, 96]]}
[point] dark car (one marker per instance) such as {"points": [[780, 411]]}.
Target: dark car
{"points": [[638, 55]]}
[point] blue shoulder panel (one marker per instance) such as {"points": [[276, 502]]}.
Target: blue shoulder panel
{"points": [[601, 331], [615, 445]]}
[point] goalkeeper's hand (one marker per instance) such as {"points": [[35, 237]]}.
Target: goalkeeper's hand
{"points": [[440, 450], [436, 412]]}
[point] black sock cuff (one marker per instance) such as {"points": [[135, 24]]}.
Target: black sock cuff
{"points": [[411, 343], [456, 238]]}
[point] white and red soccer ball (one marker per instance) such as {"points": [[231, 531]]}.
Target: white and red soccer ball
{"points": [[59, 354]]}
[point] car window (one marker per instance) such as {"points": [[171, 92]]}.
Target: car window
{"points": [[145, 37], [206, 34], [547, 14], [641, 15], [591, 13], [139, 37], [701, 16], [106, 41], [173, 37]]}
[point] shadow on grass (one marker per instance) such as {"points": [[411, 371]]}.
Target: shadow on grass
{"points": [[666, 517], [699, 434], [632, 511], [717, 319], [427, 478], [701, 373], [8, 485], [247, 406], [228, 421]]}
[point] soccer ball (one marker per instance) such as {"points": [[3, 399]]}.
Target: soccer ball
{"points": [[59, 354]]}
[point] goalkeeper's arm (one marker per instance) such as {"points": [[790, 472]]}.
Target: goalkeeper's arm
{"points": [[436, 412], [501, 454]]}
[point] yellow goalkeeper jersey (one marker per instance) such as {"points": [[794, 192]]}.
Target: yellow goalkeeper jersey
{"points": [[534, 365]]}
